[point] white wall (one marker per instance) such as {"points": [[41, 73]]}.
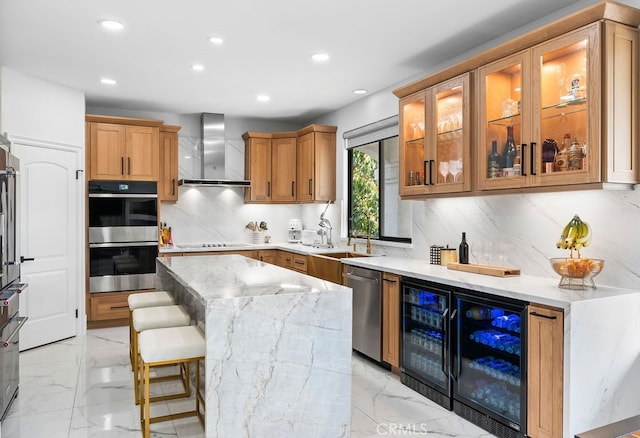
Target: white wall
{"points": [[40, 109]]}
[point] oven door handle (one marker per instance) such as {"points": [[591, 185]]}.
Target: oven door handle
{"points": [[121, 244], [119, 195], [23, 320]]}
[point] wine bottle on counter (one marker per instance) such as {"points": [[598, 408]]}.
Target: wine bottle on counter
{"points": [[493, 162], [509, 153], [463, 250]]}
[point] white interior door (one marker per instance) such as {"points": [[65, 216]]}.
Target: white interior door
{"points": [[50, 224]]}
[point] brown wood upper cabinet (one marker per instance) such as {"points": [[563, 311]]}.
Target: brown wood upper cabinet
{"points": [[123, 149], [316, 174], [435, 151], [168, 180], [270, 164], [289, 167], [574, 80]]}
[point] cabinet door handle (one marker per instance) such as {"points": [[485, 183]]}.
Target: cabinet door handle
{"points": [[173, 186], [522, 162], [293, 190], [533, 154], [310, 183], [268, 188], [129, 165], [543, 315], [431, 172], [424, 167], [121, 165], [389, 281]]}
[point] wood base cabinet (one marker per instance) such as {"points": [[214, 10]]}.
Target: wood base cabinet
{"points": [[545, 372], [110, 309], [391, 319]]}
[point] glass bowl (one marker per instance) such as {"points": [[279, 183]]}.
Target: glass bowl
{"points": [[577, 273]]}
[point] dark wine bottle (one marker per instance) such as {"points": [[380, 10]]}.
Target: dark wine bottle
{"points": [[493, 162], [463, 250], [509, 152]]}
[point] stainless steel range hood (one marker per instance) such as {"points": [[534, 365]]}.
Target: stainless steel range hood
{"points": [[212, 156]]}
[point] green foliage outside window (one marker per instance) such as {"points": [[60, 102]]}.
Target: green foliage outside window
{"points": [[365, 196]]}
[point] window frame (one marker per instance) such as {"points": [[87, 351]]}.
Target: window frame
{"points": [[381, 198]]}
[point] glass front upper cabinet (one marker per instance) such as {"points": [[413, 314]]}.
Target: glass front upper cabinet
{"points": [[435, 143], [534, 112]]}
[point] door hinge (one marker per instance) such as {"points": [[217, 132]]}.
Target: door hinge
{"points": [[76, 313], [78, 171]]}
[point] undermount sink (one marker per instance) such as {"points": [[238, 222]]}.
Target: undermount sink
{"points": [[340, 255], [327, 265]]}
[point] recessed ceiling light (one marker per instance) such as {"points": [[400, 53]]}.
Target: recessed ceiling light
{"points": [[360, 91], [197, 67], [320, 57], [108, 81], [263, 98], [216, 40], [111, 24]]}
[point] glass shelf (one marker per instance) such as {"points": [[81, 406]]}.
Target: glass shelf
{"points": [[564, 108], [513, 120], [415, 141], [454, 132]]}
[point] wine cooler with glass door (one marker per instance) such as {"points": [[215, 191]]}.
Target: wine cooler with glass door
{"points": [[425, 342], [466, 351], [489, 367]]}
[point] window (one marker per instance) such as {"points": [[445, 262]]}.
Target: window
{"points": [[374, 199]]}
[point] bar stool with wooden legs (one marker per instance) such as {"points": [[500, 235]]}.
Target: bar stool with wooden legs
{"points": [[149, 318], [145, 299], [169, 346]]}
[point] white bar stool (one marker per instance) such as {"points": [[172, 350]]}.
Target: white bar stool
{"points": [[145, 299], [169, 346], [149, 318]]}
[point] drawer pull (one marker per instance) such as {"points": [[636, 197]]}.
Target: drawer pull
{"points": [[119, 307], [543, 316]]}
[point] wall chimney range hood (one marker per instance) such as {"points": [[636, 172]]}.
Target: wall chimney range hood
{"points": [[212, 156]]}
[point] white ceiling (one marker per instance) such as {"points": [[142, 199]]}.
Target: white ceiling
{"points": [[373, 44]]}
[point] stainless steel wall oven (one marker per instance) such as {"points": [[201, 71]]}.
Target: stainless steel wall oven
{"points": [[123, 235]]}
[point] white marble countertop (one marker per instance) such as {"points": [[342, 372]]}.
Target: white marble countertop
{"points": [[236, 276], [528, 288], [241, 246]]}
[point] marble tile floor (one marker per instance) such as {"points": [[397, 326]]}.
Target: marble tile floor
{"points": [[83, 387]]}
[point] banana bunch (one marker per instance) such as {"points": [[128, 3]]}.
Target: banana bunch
{"points": [[575, 235]]}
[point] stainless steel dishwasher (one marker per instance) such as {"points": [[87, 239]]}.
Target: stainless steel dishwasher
{"points": [[367, 310]]}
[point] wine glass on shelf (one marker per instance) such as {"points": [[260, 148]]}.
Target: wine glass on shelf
{"points": [[476, 250], [443, 168], [455, 168]]}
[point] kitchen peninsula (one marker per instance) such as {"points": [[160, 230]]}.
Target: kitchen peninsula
{"points": [[278, 358]]}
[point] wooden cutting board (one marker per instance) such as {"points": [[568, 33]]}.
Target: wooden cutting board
{"points": [[496, 271]]}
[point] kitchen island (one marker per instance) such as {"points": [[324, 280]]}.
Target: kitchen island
{"points": [[278, 355]]}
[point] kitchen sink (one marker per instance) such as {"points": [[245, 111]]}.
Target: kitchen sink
{"points": [[340, 255], [327, 265]]}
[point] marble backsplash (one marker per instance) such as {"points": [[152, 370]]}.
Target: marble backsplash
{"points": [[529, 224]]}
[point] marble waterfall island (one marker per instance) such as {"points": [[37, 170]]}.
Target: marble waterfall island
{"points": [[278, 359]]}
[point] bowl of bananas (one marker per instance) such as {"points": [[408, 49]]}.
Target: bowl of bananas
{"points": [[576, 272]]}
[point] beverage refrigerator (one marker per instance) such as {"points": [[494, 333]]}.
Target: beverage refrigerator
{"points": [[466, 351]]}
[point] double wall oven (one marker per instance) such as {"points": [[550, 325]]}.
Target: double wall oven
{"points": [[123, 235]]}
